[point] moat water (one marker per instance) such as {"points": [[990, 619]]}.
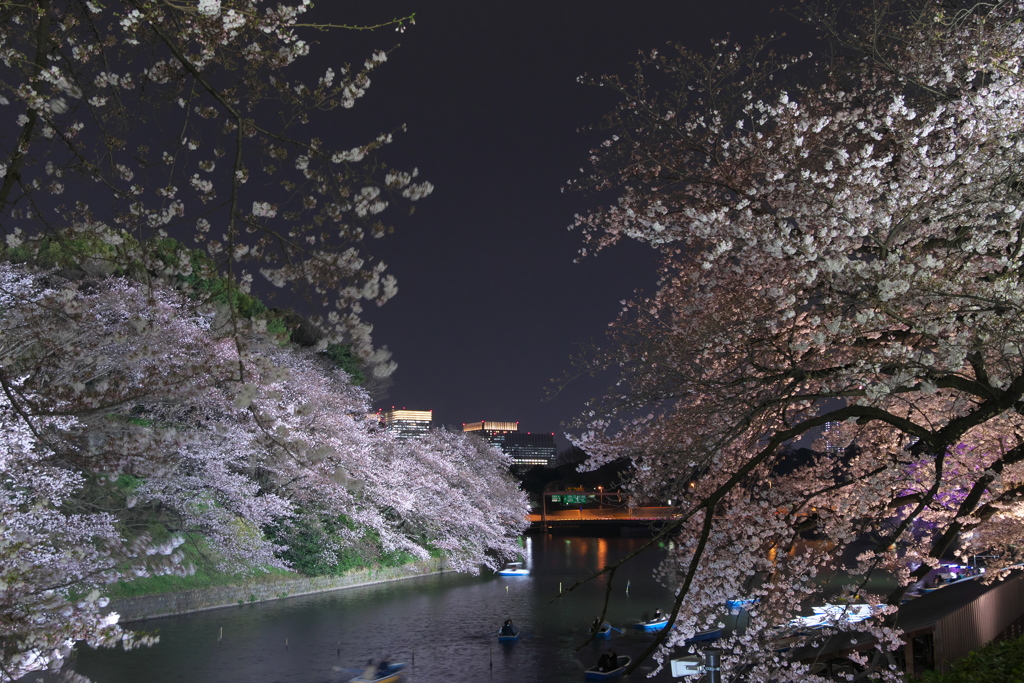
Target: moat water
{"points": [[444, 627]]}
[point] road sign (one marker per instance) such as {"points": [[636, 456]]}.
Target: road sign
{"points": [[572, 499]]}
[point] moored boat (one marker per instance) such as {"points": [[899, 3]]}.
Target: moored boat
{"points": [[708, 636], [738, 605], [514, 569], [596, 673], [658, 622]]}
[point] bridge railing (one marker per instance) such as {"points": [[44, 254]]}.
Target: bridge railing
{"points": [[637, 514]]}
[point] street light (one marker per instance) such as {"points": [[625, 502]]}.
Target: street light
{"points": [[600, 497]]}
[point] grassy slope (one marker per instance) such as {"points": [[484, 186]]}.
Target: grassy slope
{"points": [[206, 575]]}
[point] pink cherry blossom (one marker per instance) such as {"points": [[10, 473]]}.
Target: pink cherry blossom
{"points": [[840, 250]]}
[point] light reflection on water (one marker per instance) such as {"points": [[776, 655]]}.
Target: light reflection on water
{"points": [[443, 625]]}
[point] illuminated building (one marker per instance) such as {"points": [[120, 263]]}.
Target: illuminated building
{"points": [[407, 424], [823, 438], [526, 449]]}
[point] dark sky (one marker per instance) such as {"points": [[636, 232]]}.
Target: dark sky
{"points": [[491, 305]]}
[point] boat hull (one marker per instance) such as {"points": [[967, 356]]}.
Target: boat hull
{"points": [[705, 636], [651, 626], [393, 674], [514, 569], [593, 674]]}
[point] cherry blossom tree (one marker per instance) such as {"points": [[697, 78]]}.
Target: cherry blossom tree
{"points": [[45, 551], [132, 119], [55, 558], [318, 448], [840, 247], [158, 158], [220, 432], [128, 122], [455, 492]]}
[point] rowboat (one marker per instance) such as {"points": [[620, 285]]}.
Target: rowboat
{"points": [[652, 625], [514, 569], [705, 636], [603, 632], [509, 637], [392, 674], [595, 674], [738, 605]]}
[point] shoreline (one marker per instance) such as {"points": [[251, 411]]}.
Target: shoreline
{"points": [[143, 607]]}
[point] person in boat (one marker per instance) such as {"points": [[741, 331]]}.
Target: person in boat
{"points": [[383, 667], [508, 629], [611, 661], [658, 615], [370, 672], [596, 626]]}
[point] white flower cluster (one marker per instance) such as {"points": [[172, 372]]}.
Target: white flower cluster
{"points": [[367, 202], [355, 154], [209, 8], [263, 210]]}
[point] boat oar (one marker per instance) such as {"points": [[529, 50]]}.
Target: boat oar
{"points": [[615, 629], [492, 632]]}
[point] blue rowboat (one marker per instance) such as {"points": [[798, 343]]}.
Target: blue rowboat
{"points": [[514, 569], [509, 637], [705, 636], [596, 674], [736, 606], [391, 674], [652, 625], [604, 632]]}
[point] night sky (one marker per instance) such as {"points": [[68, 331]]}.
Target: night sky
{"points": [[491, 305]]}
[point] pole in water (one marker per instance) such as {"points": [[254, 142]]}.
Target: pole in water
{"points": [[506, 589], [559, 587], [221, 636], [490, 653], [339, 648], [286, 643], [627, 586]]}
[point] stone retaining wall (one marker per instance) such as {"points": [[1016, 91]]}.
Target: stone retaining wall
{"points": [[260, 590]]}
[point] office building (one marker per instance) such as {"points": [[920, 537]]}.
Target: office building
{"points": [[525, 448], [407, 424]]}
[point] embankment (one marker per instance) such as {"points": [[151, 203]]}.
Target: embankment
{"points": [[261, 589]]}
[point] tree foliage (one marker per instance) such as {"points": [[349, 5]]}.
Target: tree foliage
{"points": [[125, 397], [158, 159], [135, 119], [1000, 662], [840, 247]]}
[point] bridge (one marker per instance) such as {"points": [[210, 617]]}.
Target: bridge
{"points": [[612, 508], [595, 516]]}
